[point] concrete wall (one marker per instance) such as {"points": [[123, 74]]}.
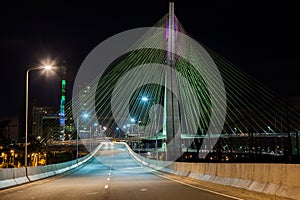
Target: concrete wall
{"points": [[16, 176], [282, 180], [12, 177]]}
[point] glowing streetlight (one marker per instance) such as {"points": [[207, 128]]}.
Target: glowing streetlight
{"points": [[145, 99], [47, 68], [85, 115], [118, 132]]}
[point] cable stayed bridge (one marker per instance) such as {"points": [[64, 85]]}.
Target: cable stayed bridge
{"points": [[167, 96], [199, 99], [198, 95]]}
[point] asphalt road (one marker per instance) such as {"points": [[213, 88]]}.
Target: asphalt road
{"points": [[113, 174]]}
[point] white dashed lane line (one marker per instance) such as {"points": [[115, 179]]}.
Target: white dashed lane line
{"points": [[91, 193]]}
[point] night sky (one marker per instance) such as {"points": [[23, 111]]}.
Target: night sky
{"points": [[260, 37]]}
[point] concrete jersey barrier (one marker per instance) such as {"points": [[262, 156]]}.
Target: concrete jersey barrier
{"points": [[282, 180], [17, 176], [13, 176]]}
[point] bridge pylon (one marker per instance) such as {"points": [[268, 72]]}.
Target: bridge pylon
{"points": [[171, 120]]}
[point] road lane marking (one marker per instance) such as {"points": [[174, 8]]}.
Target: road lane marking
{"points": [[109, 174], [131, 168], [196, 187], [143, 190], [108, 179], [106, 186], [91, 193]]}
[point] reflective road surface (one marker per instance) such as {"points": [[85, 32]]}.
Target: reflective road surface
{"points": [[112, 174]]}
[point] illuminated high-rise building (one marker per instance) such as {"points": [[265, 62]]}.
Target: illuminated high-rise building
{"points": [[62, 114]]}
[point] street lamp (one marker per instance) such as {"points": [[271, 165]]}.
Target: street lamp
{"points": [[146, 99], [91, 132], [132, 120], [139, 137], [46, 67], [235, 130], [269, 129], [118, 131], [96, 130], [85, 116]]}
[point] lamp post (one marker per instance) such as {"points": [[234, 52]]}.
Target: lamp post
{"points": [[125, 128], [118, 131], [132, 120], [138, 132], [95, 130], [146, 99], [46, 67], [85, 116]]}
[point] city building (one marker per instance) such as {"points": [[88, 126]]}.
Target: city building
{"points": [[44, 122], [8, 130]]}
